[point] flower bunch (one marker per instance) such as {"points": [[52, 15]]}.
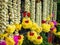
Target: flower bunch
{"points": [[10, 28], [46, 27], [38, 40], [26, 23], [34, 37], [36, 28], [31, 35]]}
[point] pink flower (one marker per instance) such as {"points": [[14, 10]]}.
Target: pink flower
{"points": [[16, 39]]}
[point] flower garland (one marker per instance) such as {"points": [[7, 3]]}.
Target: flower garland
{"points": [[40, 19], [27, 5], [44, 9], [3, 23], [38, 12], [18, 10], [15, 11], [33, 10], [11, 15]]}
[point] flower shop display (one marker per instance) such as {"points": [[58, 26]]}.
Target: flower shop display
{"points": [[31, 27]]}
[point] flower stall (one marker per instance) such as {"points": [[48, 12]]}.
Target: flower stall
{"points": [[28, 22]]}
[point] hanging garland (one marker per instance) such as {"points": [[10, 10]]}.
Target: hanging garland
{"points": [[3, 21], [27, 5], [32, 10], [18, 10]]}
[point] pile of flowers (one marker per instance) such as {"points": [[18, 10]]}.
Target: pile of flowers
{"points": [[33, 35]]}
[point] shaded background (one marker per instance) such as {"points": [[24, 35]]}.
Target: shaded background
{"points": [[58, 11]]}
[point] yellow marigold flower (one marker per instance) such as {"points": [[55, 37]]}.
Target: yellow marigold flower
{"points": [[21, 38], [10, 28], [46, 27], [36, 28], [9, 41], [18, 26], [31, 35], [51, 23], [38, 40], [26, 23]]}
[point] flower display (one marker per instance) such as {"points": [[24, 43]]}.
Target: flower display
{"points": [[26, 23], [46, 27], [31, 35], [38, 40], [10, 28]]}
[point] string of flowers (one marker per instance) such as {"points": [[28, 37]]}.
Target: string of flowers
{"points": [[27, 5], [15, 11], [18, 10], [2, 21], [7, 16], [11, 15], [3, 16], [0, 17], [32, 10], [44, 9], [38, 12], [48, 5]]}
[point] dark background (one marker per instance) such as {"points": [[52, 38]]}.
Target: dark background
{"points": [[58, 11]]}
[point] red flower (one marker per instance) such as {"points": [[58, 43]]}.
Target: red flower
{"points": [[43, 21], [31, 33], [27, 21], [39, 37], [28, 14], [19, 37], [24, 14]]}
